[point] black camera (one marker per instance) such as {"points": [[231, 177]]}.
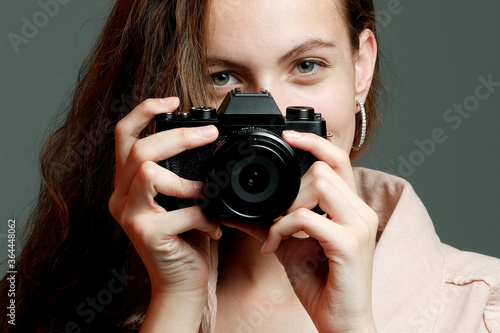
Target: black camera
{"points": [[251, 173]]}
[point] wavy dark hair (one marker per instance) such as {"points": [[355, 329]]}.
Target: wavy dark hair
{"points": [[78, 268]]}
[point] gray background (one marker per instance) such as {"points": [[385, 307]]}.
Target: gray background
{"points": [[434, 53]]}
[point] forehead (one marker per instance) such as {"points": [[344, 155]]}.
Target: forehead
{"points": [[234, 26]]}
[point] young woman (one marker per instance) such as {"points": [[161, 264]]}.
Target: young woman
{"points": [[104, 256]]}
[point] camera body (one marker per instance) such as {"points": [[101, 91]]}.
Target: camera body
{"points": [[251, 173]]}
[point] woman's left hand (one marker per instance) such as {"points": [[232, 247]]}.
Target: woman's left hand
{"points": [[331, 271]]}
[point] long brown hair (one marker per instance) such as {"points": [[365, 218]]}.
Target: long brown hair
{"points": [[78, 268]]}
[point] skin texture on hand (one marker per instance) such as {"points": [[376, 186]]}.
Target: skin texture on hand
{"points": [[177, 265]]}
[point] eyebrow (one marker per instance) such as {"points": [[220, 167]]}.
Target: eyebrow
{"points": [[215, 62], [308, 45]]}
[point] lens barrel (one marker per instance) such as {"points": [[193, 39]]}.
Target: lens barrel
{"points": [[254, 176]]}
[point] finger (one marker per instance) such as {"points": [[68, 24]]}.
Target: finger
{"points": [[191, 218], [158, 226], [331, 200], [258, 232], [152, 179], [316, 226], [324, 151], [161, 146], [325, 181], [128, 130]]}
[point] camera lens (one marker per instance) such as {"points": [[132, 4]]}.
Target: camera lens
{"points": [[254, 177]]}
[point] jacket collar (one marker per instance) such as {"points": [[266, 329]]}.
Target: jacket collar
{"points": [[409, 259]]}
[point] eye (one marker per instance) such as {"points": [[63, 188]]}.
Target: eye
{"points": [[306, 67], [309, 67], [223, 78]]}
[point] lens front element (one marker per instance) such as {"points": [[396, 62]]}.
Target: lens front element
{"points": [[254, 179], [255, 175]]}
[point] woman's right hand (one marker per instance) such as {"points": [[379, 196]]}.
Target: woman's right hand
{"points": [[177, 264]]}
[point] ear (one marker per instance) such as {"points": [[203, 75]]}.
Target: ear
{"points": [[365, 63]]}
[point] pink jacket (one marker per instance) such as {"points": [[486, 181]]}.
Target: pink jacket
{"points": [[419, 284]]}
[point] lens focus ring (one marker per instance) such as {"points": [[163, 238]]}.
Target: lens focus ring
{"points": [[254, 175]]}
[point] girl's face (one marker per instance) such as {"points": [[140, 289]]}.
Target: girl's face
{"points": [[298, 50]]}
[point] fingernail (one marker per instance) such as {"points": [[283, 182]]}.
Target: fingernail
{"points": [[207, 131], [198, 186], [169, 100], [292, 134], [263, 248]]}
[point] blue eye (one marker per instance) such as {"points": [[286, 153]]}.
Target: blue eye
{"points": [[223, 78]]}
